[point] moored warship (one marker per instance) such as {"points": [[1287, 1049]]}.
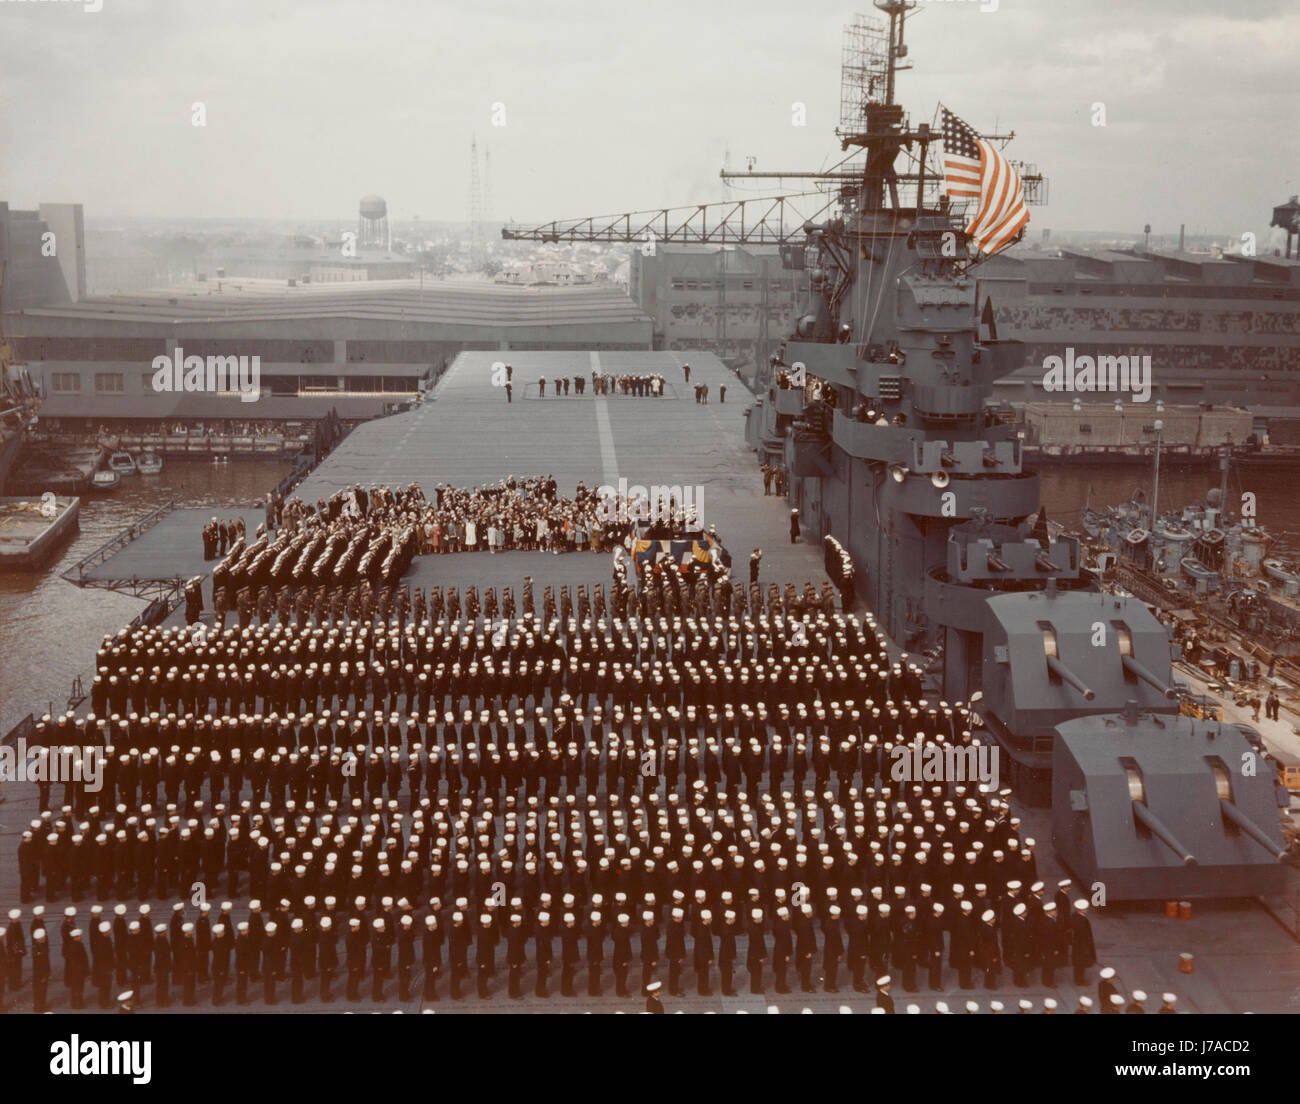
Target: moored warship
{"points": [[877, 410], [879, 415]]}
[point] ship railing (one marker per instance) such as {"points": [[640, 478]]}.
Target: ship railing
{"points": [[23, 729], [76, 573]]}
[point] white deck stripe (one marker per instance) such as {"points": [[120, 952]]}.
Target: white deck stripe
{"points": [[608, 458]]}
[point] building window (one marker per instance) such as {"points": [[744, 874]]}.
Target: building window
{"points": [[67, 383], [692, 285], [747, 285], [678, 285], [108, 383]]}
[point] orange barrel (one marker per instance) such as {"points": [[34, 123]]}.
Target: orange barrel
{"points": [[1185, 963], [1171, 909], [1184, 910]]}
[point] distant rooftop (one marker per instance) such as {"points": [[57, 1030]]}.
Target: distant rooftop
{"points": [[466, 302], [1145, 266]]}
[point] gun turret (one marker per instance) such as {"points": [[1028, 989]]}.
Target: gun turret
{"points": [[1253, 830], [1163, 834], [1135, 668], [1066, 675]]}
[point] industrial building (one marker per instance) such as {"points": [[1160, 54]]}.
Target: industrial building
{"points": [[356, 348], [735, 301], [42, 255], [1219, 329]]}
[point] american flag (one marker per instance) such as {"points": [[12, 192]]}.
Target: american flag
{"points": [[973, 169]]}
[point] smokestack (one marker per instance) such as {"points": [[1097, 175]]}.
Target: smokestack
{"points": [[1182, 227]]}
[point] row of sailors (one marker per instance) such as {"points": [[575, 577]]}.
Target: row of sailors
{"points": [[754, 640], [639, 755], [773, 842], [304, 947], [676, 592], [813, 938]]}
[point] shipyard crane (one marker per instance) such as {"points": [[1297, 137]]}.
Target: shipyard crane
{"points": [[766, 220]]}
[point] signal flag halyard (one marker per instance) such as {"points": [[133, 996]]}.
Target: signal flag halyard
{"points": [[973, 169]]}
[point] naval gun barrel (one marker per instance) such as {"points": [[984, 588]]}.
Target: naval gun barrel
{"points": [[1253, 830], [1134, 667], [1147, 817], [1059, 668]]}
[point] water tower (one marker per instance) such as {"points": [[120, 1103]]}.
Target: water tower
{"points": [[374, 222]]}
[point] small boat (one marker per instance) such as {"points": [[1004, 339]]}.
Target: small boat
{"points": [[31, 531], [122, 463], [1135, 537], [106, 480], [149, 463]]}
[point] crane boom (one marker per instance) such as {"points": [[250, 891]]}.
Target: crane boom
{"points": [[767, 220]]}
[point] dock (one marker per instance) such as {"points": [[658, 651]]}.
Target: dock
{"points": [[161, 549]]}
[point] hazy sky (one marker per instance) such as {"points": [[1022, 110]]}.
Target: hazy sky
{"points": [[612, 106]]}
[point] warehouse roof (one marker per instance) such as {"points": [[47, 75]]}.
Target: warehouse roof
{"points": [[248, 299]]}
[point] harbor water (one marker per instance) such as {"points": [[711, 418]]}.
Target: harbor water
{"points": [[50, 629]]}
